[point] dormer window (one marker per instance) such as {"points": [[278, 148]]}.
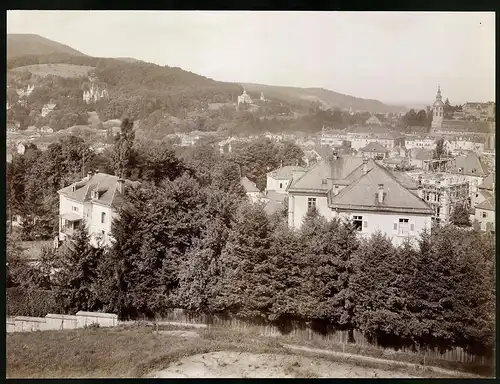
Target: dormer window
{"points": [[73, 188], [474, 170], [95, 195], [460, 170]]}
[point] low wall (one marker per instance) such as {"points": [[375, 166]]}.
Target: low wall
{"points": [[55, 322], [103, 319]]}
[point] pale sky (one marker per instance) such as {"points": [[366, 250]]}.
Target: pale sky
{"points": [[395, 57]]}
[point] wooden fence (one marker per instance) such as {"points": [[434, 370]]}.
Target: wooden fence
{"points": [[305, 333]]}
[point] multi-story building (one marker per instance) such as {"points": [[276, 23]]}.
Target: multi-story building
{"points": [[471, 168], [479, 111], [360, 190], [92, 204], [443, 192], [424, 141]]}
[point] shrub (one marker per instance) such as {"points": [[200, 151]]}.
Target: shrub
{"points": [[31, 302]]}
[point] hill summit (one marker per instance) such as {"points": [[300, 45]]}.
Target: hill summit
{"points": [[20, 44]]}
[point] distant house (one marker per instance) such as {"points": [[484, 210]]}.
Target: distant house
{"points": [[21, 148], [46, 129], [279, 179], [484, 191], [373, 120], [13, 126], [470, 167], [253, 193], [370, 196], [47, 108], [375, 151], [484, 214], [396, 162], [244, 98]]}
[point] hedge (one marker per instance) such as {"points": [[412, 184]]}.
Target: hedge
{"points": [[31, 302]]}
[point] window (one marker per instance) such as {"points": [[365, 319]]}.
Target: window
{"points": [[485, 215], [74, 209], [103, 217], [281, 185], [358, 223], [403, 227], [311, 203], [103, 236]]}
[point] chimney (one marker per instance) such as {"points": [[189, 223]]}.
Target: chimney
{"points": [[120, 185], [89, 174], [365, 166], [381, 193]]}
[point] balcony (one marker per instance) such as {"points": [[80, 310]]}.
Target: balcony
{"points": [[69, 223]]}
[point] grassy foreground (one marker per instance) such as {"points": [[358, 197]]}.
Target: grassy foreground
{"points": [[132, 351]]}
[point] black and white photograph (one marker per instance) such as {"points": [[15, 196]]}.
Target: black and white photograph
{"points": [[250, 194]]}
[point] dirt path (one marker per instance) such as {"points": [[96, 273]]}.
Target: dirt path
{"points": [[368, 359], [249, 365]]}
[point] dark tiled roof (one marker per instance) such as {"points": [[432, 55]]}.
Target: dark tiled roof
{"points": [[374, 147], [102, 182], [362, 194], [341, 171], [286, 172], [470, 164]]}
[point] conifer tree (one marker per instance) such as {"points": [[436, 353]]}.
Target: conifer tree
{"points": [[247, 289], [75, 283]]}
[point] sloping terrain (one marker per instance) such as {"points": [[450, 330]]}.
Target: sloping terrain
{"points": [[62, 70], [323, 96], [20, 44]]}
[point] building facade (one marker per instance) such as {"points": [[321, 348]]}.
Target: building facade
{"points": [[362, 191], [92, 204], [443, 192]]}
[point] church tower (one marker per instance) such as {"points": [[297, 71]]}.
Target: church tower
{"points": [[437, 113]]}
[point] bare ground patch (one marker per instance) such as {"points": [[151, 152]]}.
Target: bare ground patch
{"points": [[225, 364]]}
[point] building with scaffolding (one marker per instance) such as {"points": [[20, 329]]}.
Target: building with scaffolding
{"points": [[442, 192]]}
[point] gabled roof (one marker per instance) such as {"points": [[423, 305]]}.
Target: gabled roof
{"points": [[286, 172], [488, 205], [470, 164], [105, 184], [362, 195], [488, 182], [341, 171], [374, 147], [248, 185]]}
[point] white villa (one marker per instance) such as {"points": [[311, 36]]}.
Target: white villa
{"points": [[91, 202], [363, 191], [244, 98]]}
